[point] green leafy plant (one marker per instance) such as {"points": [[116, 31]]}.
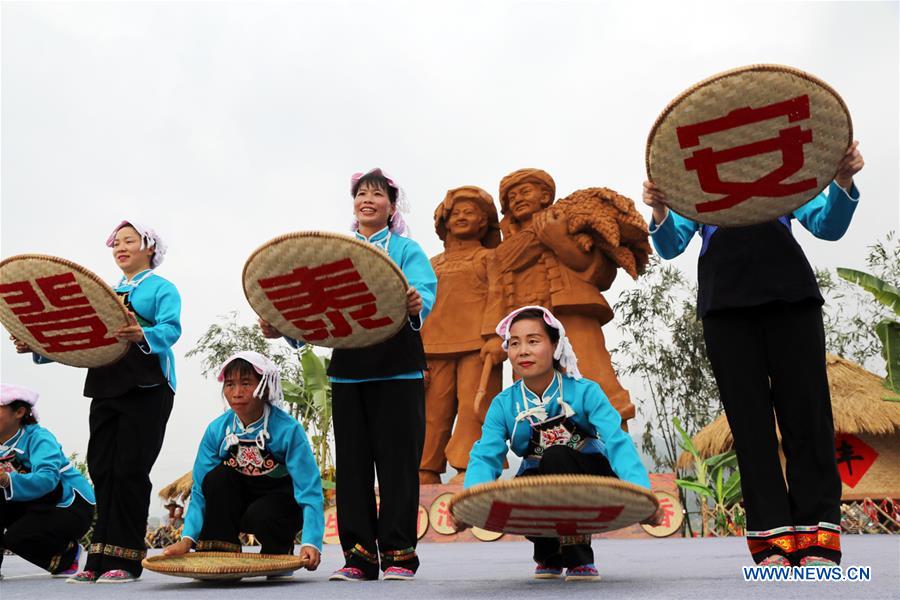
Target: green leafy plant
{"points": [[887, 330], [716, 482]]}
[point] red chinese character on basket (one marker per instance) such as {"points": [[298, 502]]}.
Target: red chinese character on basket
{"points": [[307, 297], [789, 141], [73, 325], [668, 511], [537, 520]]}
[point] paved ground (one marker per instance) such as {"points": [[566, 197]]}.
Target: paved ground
{"points": [[671, 568]]}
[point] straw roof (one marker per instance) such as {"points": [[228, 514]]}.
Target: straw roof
{"points": [[179, 490], [856, 402]]}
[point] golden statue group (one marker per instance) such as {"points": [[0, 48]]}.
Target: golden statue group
{"points": [[528, 288]]}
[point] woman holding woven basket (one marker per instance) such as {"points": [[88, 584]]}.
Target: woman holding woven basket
{"points": [[762, 322], [130, 407], [378, 397], [559, 423]]}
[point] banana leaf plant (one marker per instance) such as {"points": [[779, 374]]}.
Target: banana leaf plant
{"points": [[310, 404], [888, 330], [716, 482]]}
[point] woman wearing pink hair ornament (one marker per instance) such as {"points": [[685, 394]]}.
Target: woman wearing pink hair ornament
{"points": [[379, 404], [46, 505], [131, 401], [559, 423]]}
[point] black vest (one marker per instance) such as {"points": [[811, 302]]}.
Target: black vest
{"points": [[135, 369], [751, 266], [400, 354]]}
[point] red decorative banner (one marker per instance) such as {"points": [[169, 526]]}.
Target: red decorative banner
{"points": [[854, 457]]}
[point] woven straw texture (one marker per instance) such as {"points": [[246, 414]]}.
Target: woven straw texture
{"points": [[334, 293], [755, 86], [222, 565], [554, 505], [69, 340]]}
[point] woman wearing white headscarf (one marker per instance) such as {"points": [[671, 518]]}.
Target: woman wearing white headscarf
{"points": [[558, 422], [130, 407], [254, 471]]}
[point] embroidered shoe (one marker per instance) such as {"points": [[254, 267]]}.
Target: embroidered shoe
{"points": [[73, 569], [398, 574], [776, 560], [582, 573], [542, 571], [348, 574], [84, 577], [117, 576], [817, 561]]}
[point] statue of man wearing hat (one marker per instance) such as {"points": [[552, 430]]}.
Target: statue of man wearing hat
{"points": [[539, 263], [466, 221]]}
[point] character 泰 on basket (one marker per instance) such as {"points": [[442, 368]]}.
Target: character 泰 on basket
{"points": [[130, 407], [761, 310], [255, 471], [378, 403], [559, 422], [46, 505]]}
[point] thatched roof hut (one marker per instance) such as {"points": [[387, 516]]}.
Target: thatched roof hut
{"points": [[179, 490], [860, 415]]}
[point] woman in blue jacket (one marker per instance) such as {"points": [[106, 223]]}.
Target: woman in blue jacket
{"points": [[46, 505]]}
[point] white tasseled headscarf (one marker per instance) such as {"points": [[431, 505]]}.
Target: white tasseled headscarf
{"points": [[149, 239], [401, 206], [270, 382], [563, 353], [9, 393]]}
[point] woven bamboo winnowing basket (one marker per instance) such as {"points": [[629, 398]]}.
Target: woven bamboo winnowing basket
{"points": [[223, 565], [327, 289], [748, 145], [554, 505], [61, 310]]}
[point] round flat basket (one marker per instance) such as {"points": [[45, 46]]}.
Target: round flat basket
{"points": [[748, 145], [327, 289], [554, 505], [61, 310], [222, 565]]}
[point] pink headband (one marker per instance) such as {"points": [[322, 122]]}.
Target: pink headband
{"points": [[10, 393], [396, 222], [149, 239]]}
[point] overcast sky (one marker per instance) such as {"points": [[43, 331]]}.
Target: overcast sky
{"points": [[223, 125]]}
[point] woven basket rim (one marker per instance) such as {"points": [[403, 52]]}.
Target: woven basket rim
{"points": [[313, 234], [539, 481], [270, 562], [761, 67], [82, 271]]}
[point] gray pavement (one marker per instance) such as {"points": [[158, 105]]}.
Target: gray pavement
{"points": [[669, 568]]}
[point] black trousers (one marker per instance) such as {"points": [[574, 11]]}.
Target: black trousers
{"points": [[42, 533], [126, 435], [767, 359], [562, 460], [379, 426], [261, 505]]}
